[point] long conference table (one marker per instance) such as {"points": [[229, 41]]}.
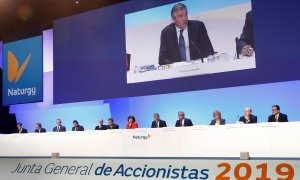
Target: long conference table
{"points": [[271, 140], [199, 152]]}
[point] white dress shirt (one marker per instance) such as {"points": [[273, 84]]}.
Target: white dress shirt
{"points": [[276, 117], [157, 123], [182, 123]]}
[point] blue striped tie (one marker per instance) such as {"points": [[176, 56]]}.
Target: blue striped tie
{"points": [[182, 46]]}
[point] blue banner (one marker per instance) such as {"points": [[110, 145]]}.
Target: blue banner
{"points": [[23, 71]]}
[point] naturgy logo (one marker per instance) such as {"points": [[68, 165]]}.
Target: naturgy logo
{"points": [[14, 73], [142, 137]]}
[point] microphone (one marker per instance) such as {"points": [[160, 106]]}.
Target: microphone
{"points": [[234, 122], [237, 48], [198, 50]]}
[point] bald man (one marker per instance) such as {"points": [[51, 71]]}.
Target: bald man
{"points": [[101, 126], [248, 118]]}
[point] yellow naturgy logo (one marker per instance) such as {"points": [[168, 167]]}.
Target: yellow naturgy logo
{"points": [[14, 73]]}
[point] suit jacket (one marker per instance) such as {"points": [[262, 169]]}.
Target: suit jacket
{"points": [[79, 128], [103, 127], [114, 126], [23, 131], [252, 118], [282, 118], [247, 34], [187, 122], [133, 126], [162, 123], [61, 129], [198, 41], [43, 130], [213, 122]]}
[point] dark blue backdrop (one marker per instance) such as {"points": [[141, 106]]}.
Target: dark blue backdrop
{"points": [[89, 53]]}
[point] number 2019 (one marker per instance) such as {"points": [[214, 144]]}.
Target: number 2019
{"points": [[284, 171]]}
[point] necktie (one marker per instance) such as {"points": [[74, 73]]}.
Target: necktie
{"points": [[157, 125], [39, 130], [276, 118], [247, 120], [57, 128], [182, 46]]}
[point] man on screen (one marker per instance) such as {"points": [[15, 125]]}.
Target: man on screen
{"points": [[277, 116], [246, 41], [183, 39]]}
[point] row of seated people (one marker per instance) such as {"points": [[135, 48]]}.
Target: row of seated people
{"points": [[247, 118]]}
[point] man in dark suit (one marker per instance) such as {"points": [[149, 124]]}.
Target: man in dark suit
{"points": [[248, 117], [183, 39], [246, 41], [59, 127], [101, 126], [76, 126], [157, 122], [111, 124], [39, 129], [20, 129], [182, 121], [277, 116]]}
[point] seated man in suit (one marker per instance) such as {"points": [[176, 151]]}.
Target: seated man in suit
{"points": [[20, 129], [246, 41], [183, 39], [157, 122], [100, 125], [217, 119], [76, 126], [111, 124], [277, 116], [248, 117], [182, 121], [39, 129], [59, 127]]}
